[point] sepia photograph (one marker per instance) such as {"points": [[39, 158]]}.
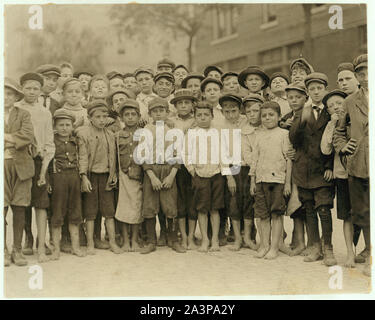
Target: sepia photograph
{"points": [[185, 150]]}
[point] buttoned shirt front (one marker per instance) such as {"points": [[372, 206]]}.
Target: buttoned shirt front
{"points": [[126, 147], [66, 155]]}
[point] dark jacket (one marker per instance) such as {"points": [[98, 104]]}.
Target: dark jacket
{"points": [[310, 163], [20, 127]]}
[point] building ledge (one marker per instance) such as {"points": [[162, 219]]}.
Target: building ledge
{"points": [[224, 39], [269, 25]]}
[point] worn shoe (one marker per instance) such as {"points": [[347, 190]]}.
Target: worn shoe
{"points": [[162, 241], [148, 249], [361, 258], [18, 259], [100, 244], [329, 258], [176, 246], [315, 254]]}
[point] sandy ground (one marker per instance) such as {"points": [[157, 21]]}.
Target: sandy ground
{"points": [[166, 273]]}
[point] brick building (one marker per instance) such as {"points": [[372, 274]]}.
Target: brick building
{"points": [[271, 35]]}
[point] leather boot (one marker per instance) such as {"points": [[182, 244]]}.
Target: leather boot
{"points": [[148, 248], [17, 258], [329, 258], [162, 241]]}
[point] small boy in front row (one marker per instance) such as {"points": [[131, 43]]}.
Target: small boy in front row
{"points": [[65, 183], [97, 167], [270, 173]]}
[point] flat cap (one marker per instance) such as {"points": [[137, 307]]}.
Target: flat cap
{"points": [[158, 102], [345, 66], [129, 103], [128, 75], [126, 92], [143, 69], [12, 84], [279, 75], [31, 76], [70, 81], [296, 86], [96, 104], [302, 61], [253, 97], [114, 74], [360, 61], [206, 81], [63, 114], [167, 75], [316, 77], [253, 70], [166, 63], [335, 92], [229, 74], [183, 94], [193, 75], [79, 73], [49, 69], [179, 66], [230, 97], [208, 69]]}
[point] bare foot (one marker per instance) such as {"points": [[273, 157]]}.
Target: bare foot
{"points": [[215, 246], [272, 254], [78, 252], [284, 249], [204, 246], [184, 243], [236, 246], [350, 263], [42, 258], [297, 250], [55, 255], [135, 247], [262, 251], [90, 250], [191, 244], [126, 247], [115, 248], [306, 252], [248, 243]]}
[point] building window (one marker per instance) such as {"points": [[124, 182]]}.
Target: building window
{"points": [[363, 38], [268, 13], [225, 21], [237, 64]]}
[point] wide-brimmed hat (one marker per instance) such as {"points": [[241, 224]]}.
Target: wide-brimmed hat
{"points": [[12, 84], [253, 70]]}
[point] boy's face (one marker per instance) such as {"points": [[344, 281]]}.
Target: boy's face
{"points": [[131, 117], [50, 83], [362, 76], [99, 118], [163, 87], [31, 90], [66, 73], [184, 107], [231, 84], [278, 85], [179, 75], [316, 91], [347, 81], [116, 83], [298, 75], [159, 114], [73, 93], [296, 99], [254, 83], [85, 80], [214, 74], [335, 104], [194, 85], [99, 89], [203, 117], [270, 118], [10, 97], [130, 83], [117, 100], [64, 127], [252, 110], [145, 82], [212, 92], [231, 111]]}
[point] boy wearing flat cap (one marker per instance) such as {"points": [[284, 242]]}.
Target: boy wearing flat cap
{"points": [[18, 167], [129, 203], [116, 80], [130, 83], [346, 80], [312, 170], [65, 183], [230, 83], [355, 148], [299, 70], [51, 74], [278, 83], [165, 65], [193, 83], [159, 183], [145, 80], [164, 87], [41, 119], [213, 72], [97, 168], [254, 79], [180, 72], [211, 90]]}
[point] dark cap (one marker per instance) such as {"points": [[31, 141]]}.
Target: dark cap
{"points": [[158, 102], [31, 76], [316, 77], [183, 94], [206, 81], [253, 70], [114, 74], [166, 63], [230, 97], [193, 75], [126, 92], [208, 69], [143, 69], [79, 73], [360, 61], [345, 66], [304, 62], [167, 75], [129, 103], [229, 74], [253, 97], [179, 66], [48, 69], [96, 104], [296, 86], [279, 75], [63, 114], [12, 84], [128, 75], [335, 92]]}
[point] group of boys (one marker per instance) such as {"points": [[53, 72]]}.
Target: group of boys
{"points": [[70, 146]]}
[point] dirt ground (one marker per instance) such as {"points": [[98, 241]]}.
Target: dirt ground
{"points": [[166, 273]]}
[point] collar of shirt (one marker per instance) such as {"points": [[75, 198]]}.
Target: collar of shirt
{"points": [[320, 106], [60, 139]]}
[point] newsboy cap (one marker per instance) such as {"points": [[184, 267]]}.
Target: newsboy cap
{"points": [[12, 84], [113, 74], [193, 75], [158, 102], [345, 66], [183, 94], [180, 66], [143, 69], [206, 81], [49, 69], [304, 62], [230, 97], [279, 75], [70, 81], [166, 63], [253, 70], [129, 103], [229, 74], [167, 75], [126, 92], [96, 104], [296, 86], [316, 77], [332, 93], [360, 61], [79, 73], [63, 114], [253, 97], [31, 76], [208, 69]]}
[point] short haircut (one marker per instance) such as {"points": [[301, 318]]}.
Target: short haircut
{"points": [[271, 105], [203, 105], [250, 103], [300, 65]]}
